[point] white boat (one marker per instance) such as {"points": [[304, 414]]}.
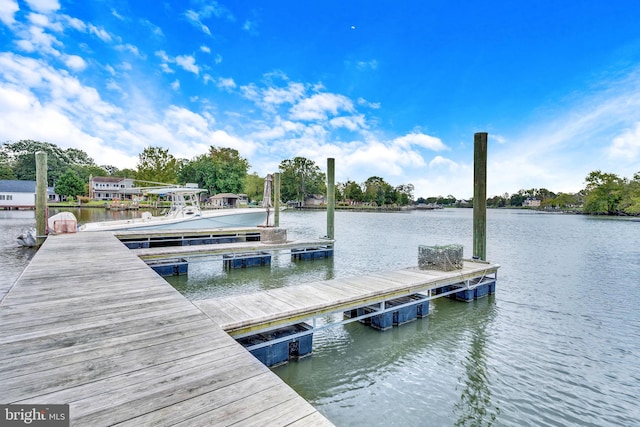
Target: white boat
{"points": [[27, 238], [184, 213]]}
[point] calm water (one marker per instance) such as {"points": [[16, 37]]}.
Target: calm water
{"points": [[558, 345]]}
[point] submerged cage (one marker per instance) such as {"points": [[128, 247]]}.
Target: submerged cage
{"points": [[443, 258]]}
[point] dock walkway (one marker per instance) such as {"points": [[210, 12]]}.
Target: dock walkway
{"points": [[90, 325], [240, 315]]}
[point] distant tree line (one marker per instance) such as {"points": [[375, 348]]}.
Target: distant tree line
{"points": [[223, 170], [604, 194], [220, 170]]}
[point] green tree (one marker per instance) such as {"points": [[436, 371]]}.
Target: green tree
{"points": [[517, 199], [353, 191], [6, 172], [84, 172], [20, 156], [69, 184], [121, 173], [254, 187], [156, 164], [300, 178], [230, 170], [604, 193], [630, 203], [496, 202], [222, 170], [404, 194], [378, 191]]}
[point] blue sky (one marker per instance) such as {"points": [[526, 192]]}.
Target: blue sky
{"points": [[389, 89]]}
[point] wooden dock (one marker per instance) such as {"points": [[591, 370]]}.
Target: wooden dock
{"points": [[241, 315], [90, 325], [159, 244]]}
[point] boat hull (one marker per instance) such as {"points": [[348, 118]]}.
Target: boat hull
{"points": [[226, 218]]}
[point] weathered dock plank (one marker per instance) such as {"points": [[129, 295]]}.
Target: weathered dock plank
{"points": [[90, 325], [264, 310], [225, 248]]}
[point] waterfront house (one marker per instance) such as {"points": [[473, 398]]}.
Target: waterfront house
{"points": [[531, 203], [16, 194], [112, 188]]}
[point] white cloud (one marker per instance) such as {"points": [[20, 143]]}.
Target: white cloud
{"points": [[205, 49], [163, 55], [36, 40], [42, 21], [117, 15], [74, 23], [439, 161], [580, 135], [101, 33], [226, 83], [188, 63], [319, 106], [250, 27], [155, 30], [372, 105], [194, 18], [129, 48], [175, 85], [367, 65], [271, 97], [288, 95], [8, 9], [627, 145], [421, 140], [44, 6], [75, 62], [352, 123]]}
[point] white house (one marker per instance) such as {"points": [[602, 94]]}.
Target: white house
{"points": [[112, 188], [15, 194]]}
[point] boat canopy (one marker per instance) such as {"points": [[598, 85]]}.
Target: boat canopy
{"points": [[177, 190]]}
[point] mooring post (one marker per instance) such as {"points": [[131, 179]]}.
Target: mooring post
{"points": [[331, 196], [41, 197], [480, 195], [276, 199]]}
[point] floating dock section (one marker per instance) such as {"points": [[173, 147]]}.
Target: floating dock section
{"points": [[232, 245], [246, 259], [144, 239], [381, 300]]}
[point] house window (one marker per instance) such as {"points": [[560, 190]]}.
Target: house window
{"points": [[2, 196]]}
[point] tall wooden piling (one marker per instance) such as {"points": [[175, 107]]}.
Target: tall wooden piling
{"points": [[41, 197], [480, 195], [276, 199], [331, 196]]}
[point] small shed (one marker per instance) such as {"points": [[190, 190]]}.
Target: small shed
{"points": [[224, 200]]}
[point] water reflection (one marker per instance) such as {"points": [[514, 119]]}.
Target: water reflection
{"points": [[207, 277], [475, 405]]}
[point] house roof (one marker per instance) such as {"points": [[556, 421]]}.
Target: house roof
{"points": [[17, 186], [108, 179]]}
